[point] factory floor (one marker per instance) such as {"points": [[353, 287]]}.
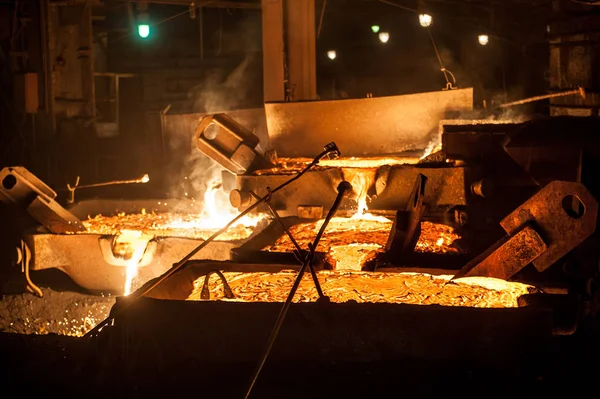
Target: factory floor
{"points": [[60, 365]]}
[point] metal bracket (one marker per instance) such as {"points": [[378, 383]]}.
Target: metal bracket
{"points": [[205, 293], [230, 144], [542, 230], [24, 259], [407, 228], [21, 188]]}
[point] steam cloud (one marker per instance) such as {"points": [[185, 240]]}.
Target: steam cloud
{"points": [[220, 92]]}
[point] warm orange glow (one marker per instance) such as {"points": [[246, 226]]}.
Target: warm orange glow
{"points": [[351, 242], [295, 165], [217, 212], [409, 288], [361, 180], [130, 245], [132, 232]]}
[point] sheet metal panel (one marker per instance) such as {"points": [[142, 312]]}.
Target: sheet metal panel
{"points": [[365, 126]]}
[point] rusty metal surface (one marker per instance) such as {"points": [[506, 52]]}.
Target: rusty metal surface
{"points": [[229, 143], [88, 258], [23, 191], [562, 231], [507, 257], [88, 262], [367, 126], [407, 227], [18, 185], [445, 186], [316, 188], [53, 216], [178, 129]]}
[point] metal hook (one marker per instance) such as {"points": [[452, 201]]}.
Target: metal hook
{"points": [[205, 293]]}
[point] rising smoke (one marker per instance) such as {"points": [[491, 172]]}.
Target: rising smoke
{"points": [[220, 92]]}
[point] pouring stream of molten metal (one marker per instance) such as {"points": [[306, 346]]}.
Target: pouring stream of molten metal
{"points": [[134, 231]]}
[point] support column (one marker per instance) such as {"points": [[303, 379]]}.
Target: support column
{"points": [[301, 53], [273, 57]]}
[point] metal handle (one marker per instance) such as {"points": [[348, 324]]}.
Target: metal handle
{"points": [[205, 293]]}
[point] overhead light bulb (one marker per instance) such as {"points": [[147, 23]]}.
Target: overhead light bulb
{"points": [[144, 30], [375, 28], [384, 37], [483, 39], [425, 20], [331, 54]]}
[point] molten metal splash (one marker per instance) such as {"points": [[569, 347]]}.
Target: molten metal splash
{"points": [[432, 147], [217, 212], [133, 231], [361, 181]]}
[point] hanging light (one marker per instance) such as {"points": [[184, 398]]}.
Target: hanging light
{"points": [[331, 54], [384, 37], [143, 19], [425, 20], [144, 30], [375, 28], [483, 39]]}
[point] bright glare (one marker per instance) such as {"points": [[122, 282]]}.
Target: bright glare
{"points": [[217, 211], [483, 39], [144, 30], [384, 37], [425, 20], [135, 243], [145, 178], [375, 28], [331, 54]]}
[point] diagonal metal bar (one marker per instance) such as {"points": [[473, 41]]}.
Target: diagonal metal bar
{"points": [[330, 150], [298, 251], [343, 188]]}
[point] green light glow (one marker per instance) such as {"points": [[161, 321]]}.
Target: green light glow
{"points": [[375, 28], [144, 30]]}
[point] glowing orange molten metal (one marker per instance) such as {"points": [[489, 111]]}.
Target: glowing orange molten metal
{"points": [[132, 232], [409, 288], [352, 242]]}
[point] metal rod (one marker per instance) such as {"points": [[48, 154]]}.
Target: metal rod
{"points": [[579, 91], [330, 150], [71, 189], [293, 240], [343, 187], [143, 179]]}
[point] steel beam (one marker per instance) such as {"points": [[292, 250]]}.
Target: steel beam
{"points": [[272, 37], [301, 52]]}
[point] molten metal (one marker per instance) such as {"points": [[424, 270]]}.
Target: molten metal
{"points": [[370, 287], [352, 242], [132, 232], [290, 166]]}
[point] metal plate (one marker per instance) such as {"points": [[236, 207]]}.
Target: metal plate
{"points": [[508, 257], [365, 126], [561, 231]]}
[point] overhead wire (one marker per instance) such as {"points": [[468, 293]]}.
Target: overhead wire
{"points": [[445, 72], [321, 18], [187, 10], [398, 6]]}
